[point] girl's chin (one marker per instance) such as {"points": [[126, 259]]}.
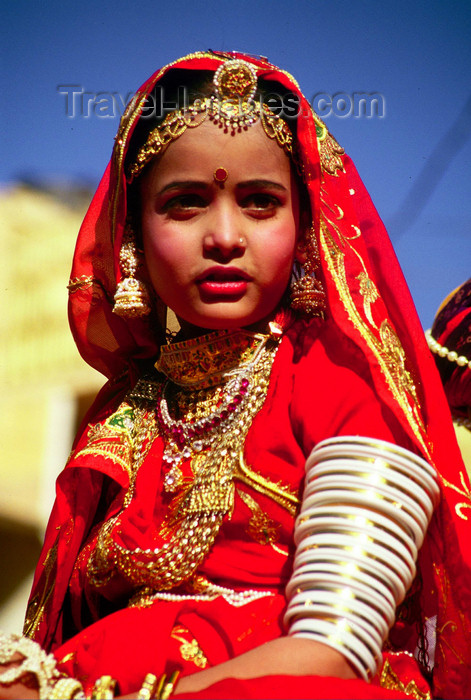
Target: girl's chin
{"points": [[189, 329]]}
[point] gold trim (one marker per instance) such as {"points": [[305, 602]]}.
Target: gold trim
{"points": [[106, 453], [330, 151], [369, 293], [387, 348], [466, 492], [391, 681], [260, 527], [38, 604], [113, 439], [278, 493], [78, 283]]}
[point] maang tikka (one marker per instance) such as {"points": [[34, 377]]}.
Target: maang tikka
{"points": [[306, 291], [233, 106], [131, 299]]}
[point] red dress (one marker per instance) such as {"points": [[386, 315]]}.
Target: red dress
{"points": [[114, 618]]}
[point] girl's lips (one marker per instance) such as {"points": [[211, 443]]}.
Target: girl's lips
{"points": [[226, 288], [223, 282]]}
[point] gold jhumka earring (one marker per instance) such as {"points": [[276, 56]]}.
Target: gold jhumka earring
{"points": [[307, 294], [131, 299]]}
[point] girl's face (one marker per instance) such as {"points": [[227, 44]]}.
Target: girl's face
{"points": [[220, 255]]}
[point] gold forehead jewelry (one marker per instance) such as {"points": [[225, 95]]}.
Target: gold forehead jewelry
{"points": [[235, 80], [220, 175], [232, 107]]}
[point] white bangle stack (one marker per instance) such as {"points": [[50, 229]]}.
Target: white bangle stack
{"points": [[366, 506]]}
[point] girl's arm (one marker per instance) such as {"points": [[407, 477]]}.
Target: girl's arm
{"points": [[284, 656]]}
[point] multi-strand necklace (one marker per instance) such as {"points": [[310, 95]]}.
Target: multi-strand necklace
{"points": [[205, 423], [210, 414], [209, 411]]}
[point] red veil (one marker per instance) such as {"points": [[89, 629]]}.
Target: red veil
{"points": [[369, 303]]}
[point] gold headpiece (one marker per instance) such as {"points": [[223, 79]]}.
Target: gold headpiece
{"points": [[232, 107]]}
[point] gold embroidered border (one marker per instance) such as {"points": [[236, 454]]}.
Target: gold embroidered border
{"points": [[465, 491], [278, 493], [112, 452], [386, 351], [38, 604], [391, 681], [113, 439], [110, 441], [330, 152]]}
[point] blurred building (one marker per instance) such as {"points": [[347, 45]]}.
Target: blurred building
{"points": [[45, 385]]}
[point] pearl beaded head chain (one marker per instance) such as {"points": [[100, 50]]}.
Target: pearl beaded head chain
{"points": [[442, 351]]}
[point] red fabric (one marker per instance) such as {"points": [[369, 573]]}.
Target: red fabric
{"points": [[276, 446], [329, 379], [319, 687], [295, 687]]}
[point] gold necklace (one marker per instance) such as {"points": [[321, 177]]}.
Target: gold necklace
{"points": [[215, 411], [197, 511]]}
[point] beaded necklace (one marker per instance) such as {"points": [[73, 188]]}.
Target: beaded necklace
{"points": [[210, 429], [443, 351], [209, 414]]}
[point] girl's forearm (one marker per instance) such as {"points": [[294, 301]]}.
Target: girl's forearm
{"points": [[283, 656]]}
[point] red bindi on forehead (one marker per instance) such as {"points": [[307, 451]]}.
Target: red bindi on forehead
{"points": [[220, 175]]}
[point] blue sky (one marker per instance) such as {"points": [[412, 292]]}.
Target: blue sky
{"points": [[415, 160]]}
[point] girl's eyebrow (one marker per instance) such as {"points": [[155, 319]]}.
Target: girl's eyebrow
{"points": [[262, 184], [184, 185], [202, 185]]}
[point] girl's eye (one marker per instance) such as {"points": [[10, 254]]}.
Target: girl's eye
{"points": [[261, 204], [184, 205]]}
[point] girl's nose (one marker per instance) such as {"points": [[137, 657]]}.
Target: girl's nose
{"points": [[224, 237]]}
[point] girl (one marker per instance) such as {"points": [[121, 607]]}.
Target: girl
{"points": [[245, 502]]}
